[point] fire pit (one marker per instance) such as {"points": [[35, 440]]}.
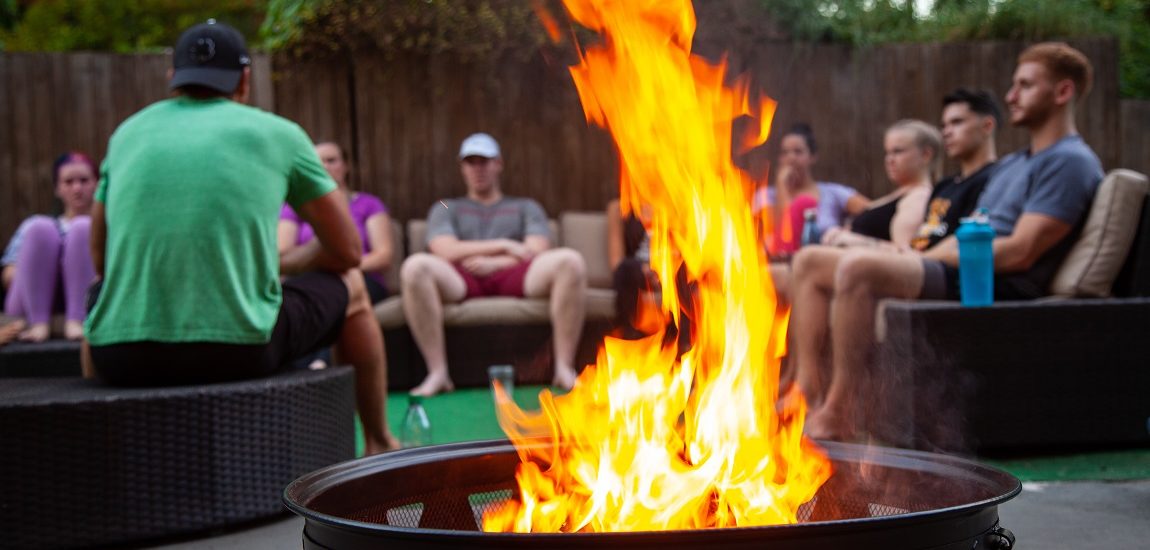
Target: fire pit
{"points": [[435, 497]]}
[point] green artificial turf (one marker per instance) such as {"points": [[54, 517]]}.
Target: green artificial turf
{"points": [[462, 415], [469, 415], [1097, 466]]}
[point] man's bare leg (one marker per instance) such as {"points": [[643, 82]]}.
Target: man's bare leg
{"points": [[427, 283], [360, 343], [561, 274], [862, 279], [812, 286]]}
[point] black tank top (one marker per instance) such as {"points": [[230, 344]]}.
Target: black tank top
{"points": [[875, 222]]}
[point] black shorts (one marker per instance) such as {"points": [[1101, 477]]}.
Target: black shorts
{"points": [[310, 318], [940, 282]]}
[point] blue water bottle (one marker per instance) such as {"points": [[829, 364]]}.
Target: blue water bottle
{"points": [[976, 260], [810, 234]]}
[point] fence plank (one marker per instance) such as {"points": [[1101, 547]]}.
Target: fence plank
{"points": [[1135, 138]]}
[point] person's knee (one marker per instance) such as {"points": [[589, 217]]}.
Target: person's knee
{"points": [[78, 231], [41, 229], [80, 226], [857, 273], [806, 261], [417, 270], [569, 263], [357, 296]]}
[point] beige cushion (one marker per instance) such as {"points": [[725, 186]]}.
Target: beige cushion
{"points": [[417, 235], [497, 310], [389, 313], [391, 276], [1093, 263], [586, 232], [600, 304]]}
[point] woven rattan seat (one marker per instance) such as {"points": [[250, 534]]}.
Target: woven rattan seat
{"points": [[51, 358], [84, 465]]}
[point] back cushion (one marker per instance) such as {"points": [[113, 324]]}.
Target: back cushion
{"points": [[416, 236], [586, 232], [1093, 263], [391, 276]]}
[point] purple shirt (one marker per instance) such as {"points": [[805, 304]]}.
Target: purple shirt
{"points": [[832, 209], [363, 206]]}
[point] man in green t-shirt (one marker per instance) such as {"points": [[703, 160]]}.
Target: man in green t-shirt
{"points": [[184, 241]]}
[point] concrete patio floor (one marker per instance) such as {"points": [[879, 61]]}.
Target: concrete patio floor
{"points": [[1070, 515]]}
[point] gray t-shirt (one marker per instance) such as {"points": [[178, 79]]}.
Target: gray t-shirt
{"points": [[1059, 182], [510, 218]]}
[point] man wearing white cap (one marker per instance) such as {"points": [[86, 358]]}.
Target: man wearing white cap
{"points": [[488, 244]]}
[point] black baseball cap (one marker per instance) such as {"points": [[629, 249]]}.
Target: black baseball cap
{"points": [[210, 54]]}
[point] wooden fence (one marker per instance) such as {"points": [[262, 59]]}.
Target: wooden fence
{"points": [[402, 119], [51, 103]]}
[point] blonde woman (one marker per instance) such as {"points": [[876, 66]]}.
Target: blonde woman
{"points": [[912, 151]]}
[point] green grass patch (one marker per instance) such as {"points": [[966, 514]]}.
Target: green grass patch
{"points": [[1093, 466], [462, 415], [469, 415]]}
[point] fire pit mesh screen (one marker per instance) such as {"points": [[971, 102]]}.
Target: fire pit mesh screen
{"points": [[452, 489], [437, 507], [445, 508]]}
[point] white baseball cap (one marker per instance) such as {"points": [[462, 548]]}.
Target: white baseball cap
{"points": [[479, 145]]}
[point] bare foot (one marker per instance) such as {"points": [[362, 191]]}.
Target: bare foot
{"points": [[38, 332], [73, 330], [433, 384], [10, 331], [564, 378]]}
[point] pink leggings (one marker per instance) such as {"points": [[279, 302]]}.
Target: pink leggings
{"points": [[46, 259]]}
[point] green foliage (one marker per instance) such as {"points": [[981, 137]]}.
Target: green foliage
{"points": [[466, 28], [867, 22], [116, 25]]}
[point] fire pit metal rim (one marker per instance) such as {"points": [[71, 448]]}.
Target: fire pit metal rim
{"points": [[312, 484]]}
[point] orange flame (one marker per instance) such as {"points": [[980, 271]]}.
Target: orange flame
{"points": [[650, 439]]}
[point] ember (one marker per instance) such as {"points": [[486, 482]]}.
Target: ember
{"points": [[650, 439]]}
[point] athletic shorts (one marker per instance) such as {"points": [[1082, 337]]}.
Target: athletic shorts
{"points": [[939, 281], [311, 317], [508, 282]]}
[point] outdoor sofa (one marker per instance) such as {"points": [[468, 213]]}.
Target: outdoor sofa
{"points": [[498, 330], [1071, 370]]}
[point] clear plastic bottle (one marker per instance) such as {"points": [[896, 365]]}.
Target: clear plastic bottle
{"points": [[810, 233], [416, 430]]}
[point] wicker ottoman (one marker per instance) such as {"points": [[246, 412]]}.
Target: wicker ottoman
{"points": [[51, 358], [86, 465]]}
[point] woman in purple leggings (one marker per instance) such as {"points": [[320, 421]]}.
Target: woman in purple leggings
{"points": [[47, 266]]}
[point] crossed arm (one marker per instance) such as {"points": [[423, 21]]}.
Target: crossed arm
{"points": [[380, 251], [336, 247], [483, 257]]}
